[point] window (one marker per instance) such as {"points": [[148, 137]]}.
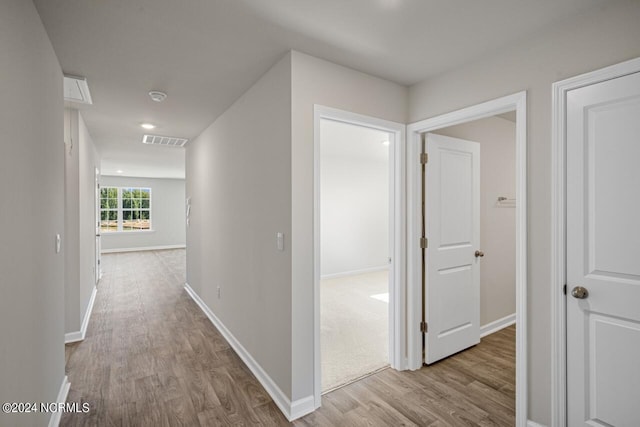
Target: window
{"points": [[125, 209]]}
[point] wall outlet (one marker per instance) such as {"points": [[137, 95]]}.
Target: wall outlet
{"points": [[218, 292]]}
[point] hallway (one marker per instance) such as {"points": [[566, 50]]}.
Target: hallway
{"points": [[152, 358]]}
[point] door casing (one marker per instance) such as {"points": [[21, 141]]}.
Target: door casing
{"points": [[397, 215], [517, 102], [98, 240], [558, 228]]}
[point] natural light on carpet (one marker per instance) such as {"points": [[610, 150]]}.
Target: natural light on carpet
{"points": [[381, 297]]}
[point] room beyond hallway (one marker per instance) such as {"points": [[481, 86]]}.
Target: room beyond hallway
{"points": [[354, 328], [151, 357]]}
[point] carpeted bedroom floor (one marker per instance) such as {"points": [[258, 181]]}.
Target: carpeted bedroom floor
{"points": [[354, 327]]}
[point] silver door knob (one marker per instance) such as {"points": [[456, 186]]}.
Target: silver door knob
{"points": [[479, 254], [579, 292]]}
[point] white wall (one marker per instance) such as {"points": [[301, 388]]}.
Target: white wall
{"points": [[81, 160], [167, 215], [32, 213], [354, 198], [497, 224], [603, 36], [239, 180], [315, 81], [249, 176]]}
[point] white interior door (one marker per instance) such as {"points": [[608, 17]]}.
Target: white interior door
{"points": [[98, 242], [603, 253], [452, 291]]}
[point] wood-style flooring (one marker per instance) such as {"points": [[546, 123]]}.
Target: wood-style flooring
{"points": [[152, 358]]}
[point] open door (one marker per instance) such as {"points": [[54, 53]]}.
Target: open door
{"points": [[98, 242], [452, 255]]}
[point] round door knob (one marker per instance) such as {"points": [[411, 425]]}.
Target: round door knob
{"points": [[479, 254], [579, 292]]}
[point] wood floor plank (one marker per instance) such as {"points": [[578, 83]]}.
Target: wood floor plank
{"points": [[152, 358]]}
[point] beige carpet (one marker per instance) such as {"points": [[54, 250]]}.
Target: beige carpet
{"points": [[354, 327]]}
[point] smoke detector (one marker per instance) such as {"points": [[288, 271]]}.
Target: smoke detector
{"points": [[157, 96], [167, 141]]}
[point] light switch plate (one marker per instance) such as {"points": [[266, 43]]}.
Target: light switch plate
{"points": [[58, 243]]}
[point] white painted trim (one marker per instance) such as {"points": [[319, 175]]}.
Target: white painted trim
{"points": [[534, 424], [79, 335], [558, 228], [355, 272], [302, 407], [496, 325], [397, 215], [291, 410], [54, 420], [517, 102], [144, 248], [122, 232]]}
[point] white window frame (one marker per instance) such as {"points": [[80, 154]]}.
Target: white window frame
{"points": [[120, 210]]}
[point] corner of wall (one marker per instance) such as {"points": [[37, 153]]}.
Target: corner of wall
{"points": [[247, 148]]}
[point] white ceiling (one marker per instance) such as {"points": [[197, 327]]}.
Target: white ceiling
{"points": [[206, 53]]}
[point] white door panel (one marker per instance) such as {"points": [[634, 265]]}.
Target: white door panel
{"points": [[603, 253], [453, 228]]}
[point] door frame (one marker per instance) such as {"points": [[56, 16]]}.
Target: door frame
{"points": [[558, 227], [97, 223], [397, 215], [517, 102]]}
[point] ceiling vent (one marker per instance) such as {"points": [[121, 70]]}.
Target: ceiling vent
{"points": [[76, 89], [168, 141]]}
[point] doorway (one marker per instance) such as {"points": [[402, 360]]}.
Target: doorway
{"points": [[354, 251], [472, 257], [98, 243], [359, 247], [420, 332]]}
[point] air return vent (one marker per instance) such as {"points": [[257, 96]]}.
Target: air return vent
{"points": [[169, 141], [76, 89]]}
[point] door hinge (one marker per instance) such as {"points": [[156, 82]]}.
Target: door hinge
{"points": [[424, 243], [424, 327], [564, 289], [424, 158]]}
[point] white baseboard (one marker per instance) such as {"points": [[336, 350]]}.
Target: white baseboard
{"points": [[534, 424], [54, 421], [355, 272], [143, 248], [496, 325], [302, 407], [291, 410], [79, 335]]}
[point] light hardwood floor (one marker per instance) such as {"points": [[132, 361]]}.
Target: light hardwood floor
{"points": [[152, 358]]}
